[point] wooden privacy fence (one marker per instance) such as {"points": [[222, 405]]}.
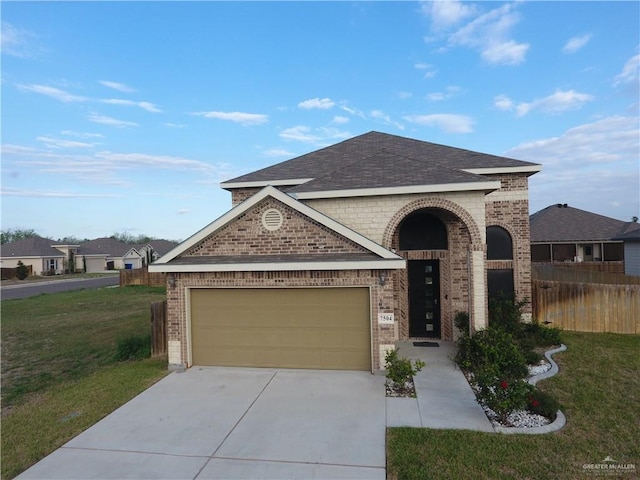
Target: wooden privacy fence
{"points": [[158, 329], [9, 273], [142, 276], [587, 307]]}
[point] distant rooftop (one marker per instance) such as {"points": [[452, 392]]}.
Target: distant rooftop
{"points": [[563, 223]]}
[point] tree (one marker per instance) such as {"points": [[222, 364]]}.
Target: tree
{"points": [[22, 271], [8, 236]]}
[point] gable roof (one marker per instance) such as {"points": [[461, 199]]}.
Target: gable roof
{"points": [[386, 163], [378, 258], [159, 246], [104, 246], [562, 223], [31, 247]]}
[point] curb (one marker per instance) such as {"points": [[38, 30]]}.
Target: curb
{"points": [[554, 366], [560, 420]]}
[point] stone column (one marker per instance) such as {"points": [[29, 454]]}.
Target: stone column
{"points": [[478, 308]]}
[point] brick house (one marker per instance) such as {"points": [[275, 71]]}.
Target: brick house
{"points": [[327, 259]]}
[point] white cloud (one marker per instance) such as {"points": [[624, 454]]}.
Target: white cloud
{"points": [[450, 92], [508, 53], [319, 103], [428, 69], [52, 92], [62, 143], [121, 87], [490, 34], [278, 152], [629, 72], [15, 192], [558, 102], [339, 120], [73, 133], [576, 43], [183, 211], [404, 95], [593, 165], [354, 112], [447, 122], [384, 118], [17, 42], [110, 121], [445, 14], [242, 118], [174, 125], [503, 102], [317, 136], [149, 107]]}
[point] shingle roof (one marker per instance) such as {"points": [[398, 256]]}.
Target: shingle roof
{"points": [[562, 223], [106, 246], [31, 247], [377, 159], [159, 246]]}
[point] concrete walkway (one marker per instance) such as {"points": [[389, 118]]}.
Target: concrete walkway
{"points": [[444, 398]]}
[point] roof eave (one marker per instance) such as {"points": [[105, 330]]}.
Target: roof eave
{"points": [[382, 264], [263, 183], [488, 186], [530, 169]]}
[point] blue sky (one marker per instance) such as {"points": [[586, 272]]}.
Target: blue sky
{"points": [[124, 117]]}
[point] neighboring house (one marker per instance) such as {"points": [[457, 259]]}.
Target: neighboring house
{"points": [[37, 252], [110, 254], [47, 257], [560, 233], [327, 259], [631, 242], [154, 250]]}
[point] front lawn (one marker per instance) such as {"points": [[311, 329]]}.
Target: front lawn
{"points": [[59, 371], [599, 389]]}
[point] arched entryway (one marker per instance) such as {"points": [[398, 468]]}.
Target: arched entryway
{"points": [[438, 244]]}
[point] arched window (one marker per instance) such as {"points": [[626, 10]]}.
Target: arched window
{"points": [[423, 231], [499, 245]]}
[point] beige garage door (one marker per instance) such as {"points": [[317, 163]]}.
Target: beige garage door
{"points": [[323, 328]]}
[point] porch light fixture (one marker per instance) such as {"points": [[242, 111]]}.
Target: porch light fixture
{"points": [[382, 279], [172, 281]]}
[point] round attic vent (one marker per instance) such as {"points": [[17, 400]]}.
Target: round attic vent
{"points": [[272, 219]]}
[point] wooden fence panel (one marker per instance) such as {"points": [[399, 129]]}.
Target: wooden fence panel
{"points": [[556, 273], [159, 328], [142, 276], [587, 307]]}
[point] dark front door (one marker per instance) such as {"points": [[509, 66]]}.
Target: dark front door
{"points": [[424, 298]]}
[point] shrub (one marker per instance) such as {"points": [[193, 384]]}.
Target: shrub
{"points": [[503, 396], [506, 314], [400, 370], [543, 404], [491, 350], [461, 321], [542, 336], [135, 347], [22, 271]]}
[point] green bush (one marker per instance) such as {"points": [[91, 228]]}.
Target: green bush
{"points": [[22, 271], [461, 321], [542, 336], [492, 350], [135, 347], [503, 396], [543, 404], [400, 370], [506, 314]]}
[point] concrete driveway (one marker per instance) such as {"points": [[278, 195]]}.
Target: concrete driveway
{"points": [[233, 423]]}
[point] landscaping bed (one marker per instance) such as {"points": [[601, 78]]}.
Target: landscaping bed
{"points": [[600, 405]]}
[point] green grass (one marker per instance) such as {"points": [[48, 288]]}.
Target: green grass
{"points": [[599, 389], [52, 338], [48, 420], [59, 369]]}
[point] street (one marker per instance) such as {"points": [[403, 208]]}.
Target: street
{"points": [[11, 292]]}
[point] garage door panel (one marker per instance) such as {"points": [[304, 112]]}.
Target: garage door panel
{"points": [[289, 328]]}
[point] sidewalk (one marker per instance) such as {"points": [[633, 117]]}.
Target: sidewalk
{"points": [[444, 398]]}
